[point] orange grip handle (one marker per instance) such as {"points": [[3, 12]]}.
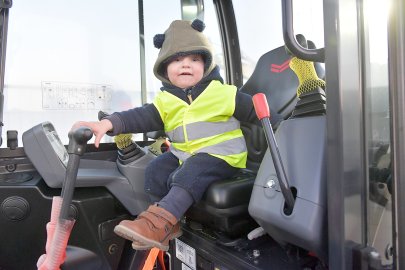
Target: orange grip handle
{"points": [[261, 106]]}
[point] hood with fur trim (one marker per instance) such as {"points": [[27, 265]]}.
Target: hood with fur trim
{"points": [[182, 38]]}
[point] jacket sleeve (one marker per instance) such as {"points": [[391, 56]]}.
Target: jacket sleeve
{"points": [[245, 111], [136, 120]]}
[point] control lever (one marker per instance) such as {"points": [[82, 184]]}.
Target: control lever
{"points": [[128, 150], [263, 113], [60, 225], [78, 139]]}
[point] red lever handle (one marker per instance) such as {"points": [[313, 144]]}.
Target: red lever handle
{"points": [[261, 106]]}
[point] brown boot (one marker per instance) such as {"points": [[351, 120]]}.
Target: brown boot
{"points": [[177, 232], [153, 227]]}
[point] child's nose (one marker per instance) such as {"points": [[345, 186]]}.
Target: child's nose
{"points": [[186, 62]]}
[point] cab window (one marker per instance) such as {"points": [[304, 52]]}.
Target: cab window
{"points": [[67, 60]]}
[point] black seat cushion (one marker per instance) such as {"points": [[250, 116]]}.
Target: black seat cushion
{"points": [[224, 206]]}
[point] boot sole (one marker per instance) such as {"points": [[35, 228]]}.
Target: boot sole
{"points": [[141, 246], [134, 237]]}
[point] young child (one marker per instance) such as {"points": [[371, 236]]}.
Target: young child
{"points": [[200, 115]]}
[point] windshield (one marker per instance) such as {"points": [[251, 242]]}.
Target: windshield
{"points": [[65, 63]]}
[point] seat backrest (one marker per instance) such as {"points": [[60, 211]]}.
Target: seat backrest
{"points": [[273, 77]]}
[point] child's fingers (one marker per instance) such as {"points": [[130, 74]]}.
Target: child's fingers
{"points": [[98, 139], [82, 124]]}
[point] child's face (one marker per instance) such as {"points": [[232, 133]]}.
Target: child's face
{"points": [[186, 71]]}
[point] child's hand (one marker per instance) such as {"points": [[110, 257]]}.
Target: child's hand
{"points": [[98, 128]]}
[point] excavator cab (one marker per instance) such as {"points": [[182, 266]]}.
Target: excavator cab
{"points": [[337, 123]]}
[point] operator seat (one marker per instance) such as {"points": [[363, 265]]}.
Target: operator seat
{"points": [[224, 206], [273, 77]]}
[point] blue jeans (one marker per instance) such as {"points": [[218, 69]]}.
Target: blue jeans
{"points": [[194, 175]]}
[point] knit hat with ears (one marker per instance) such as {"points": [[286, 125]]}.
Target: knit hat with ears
{"points": [[180, 39]]}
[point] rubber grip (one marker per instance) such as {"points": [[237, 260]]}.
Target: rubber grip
{"points": [[261, 106]]}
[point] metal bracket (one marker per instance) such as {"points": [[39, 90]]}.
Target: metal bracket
{"points": [[366, 258]]}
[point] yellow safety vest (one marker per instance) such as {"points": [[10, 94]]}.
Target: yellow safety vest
{"points": [[206, 125]]}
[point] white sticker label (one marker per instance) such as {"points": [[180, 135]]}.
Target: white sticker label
{"points": [[186, 254], [75, 96]]}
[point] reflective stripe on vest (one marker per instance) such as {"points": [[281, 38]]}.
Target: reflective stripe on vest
{"points": [[225, 148], [200, 130], [206, 125]]}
